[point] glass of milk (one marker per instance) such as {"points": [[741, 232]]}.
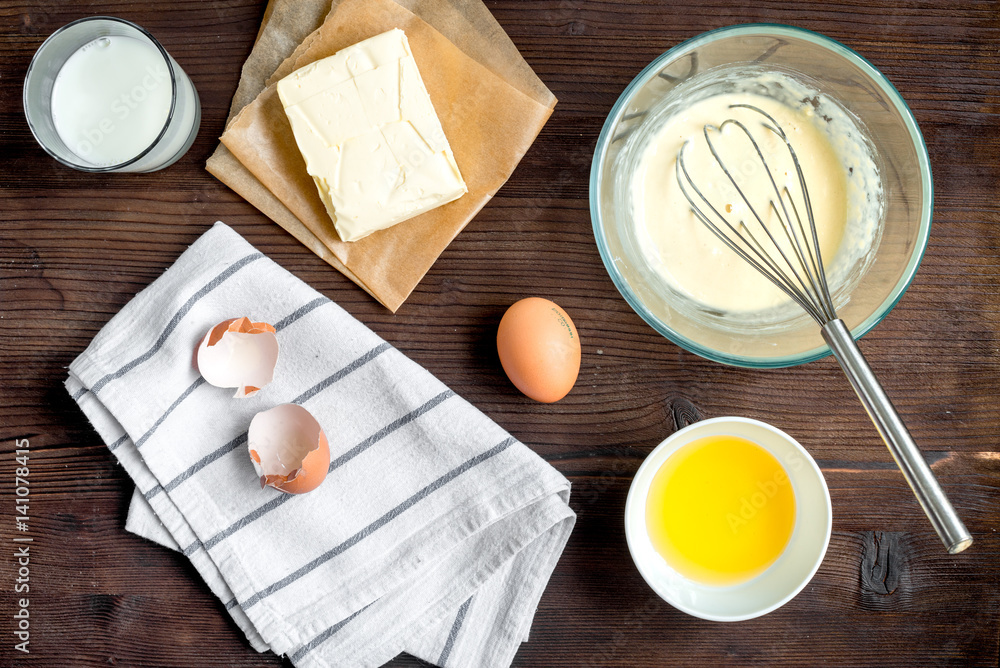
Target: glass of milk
{"points": [[102, 95]]}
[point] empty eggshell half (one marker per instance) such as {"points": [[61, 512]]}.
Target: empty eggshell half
{"points": [[239, 353], [289, 449]]}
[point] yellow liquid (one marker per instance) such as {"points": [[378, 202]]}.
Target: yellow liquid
{"points": [[720, 510]]}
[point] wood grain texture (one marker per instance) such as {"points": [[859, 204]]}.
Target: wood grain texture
{"points": [[74, 248]]}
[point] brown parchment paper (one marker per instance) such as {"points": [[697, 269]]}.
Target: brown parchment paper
{"points": [[491, 110], [286, 24]]}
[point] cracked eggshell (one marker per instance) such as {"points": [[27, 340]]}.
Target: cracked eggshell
{"points": [[289, 449], [239, 353]]}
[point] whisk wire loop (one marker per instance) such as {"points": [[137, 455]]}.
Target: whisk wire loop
{"points": [[783, 218], [801, 276], [763, 263], [821, 286]]}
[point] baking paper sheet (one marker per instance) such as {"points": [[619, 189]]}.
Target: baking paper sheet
{"points": [[490, 103]]}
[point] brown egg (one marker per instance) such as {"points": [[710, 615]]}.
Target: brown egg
{"points": [[539, 349]]}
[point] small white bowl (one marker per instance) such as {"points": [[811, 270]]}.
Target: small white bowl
{"points": [[785, 578]]}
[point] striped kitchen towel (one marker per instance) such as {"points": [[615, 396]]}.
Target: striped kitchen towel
{"points": [[435, 531]]}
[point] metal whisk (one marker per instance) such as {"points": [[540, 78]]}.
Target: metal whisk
{"points": [[797, 269]]}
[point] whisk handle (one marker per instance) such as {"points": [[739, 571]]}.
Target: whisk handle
{"points": [[906, 453]]}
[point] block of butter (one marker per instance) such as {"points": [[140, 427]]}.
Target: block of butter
{"points": [[370, 137]]}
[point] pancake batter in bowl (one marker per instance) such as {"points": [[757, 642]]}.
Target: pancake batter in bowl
{"points": [[689, 257]]}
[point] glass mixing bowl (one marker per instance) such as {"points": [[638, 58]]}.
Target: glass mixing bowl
{"points": [[897, 147]]}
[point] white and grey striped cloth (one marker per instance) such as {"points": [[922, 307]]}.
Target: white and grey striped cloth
{"points": [[435, 531]]}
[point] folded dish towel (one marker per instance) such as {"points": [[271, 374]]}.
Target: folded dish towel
{"points": [[435, 531]]}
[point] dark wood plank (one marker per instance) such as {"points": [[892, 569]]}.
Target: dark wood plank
{"points": [[74, 248]]}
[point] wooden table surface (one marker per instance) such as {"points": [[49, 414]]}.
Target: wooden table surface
{"points": [[74, 248]]}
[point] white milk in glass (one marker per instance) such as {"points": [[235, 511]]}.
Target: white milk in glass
{"points": [[101, 95], [111, 100]]}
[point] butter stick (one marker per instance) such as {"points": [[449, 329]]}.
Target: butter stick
{"points": [[371, 140]]}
